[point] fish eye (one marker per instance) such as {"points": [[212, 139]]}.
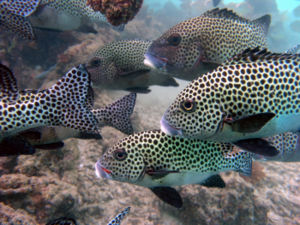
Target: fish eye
{"points": [[174, 39], [95, 62], [188, 106], [120, 154]]}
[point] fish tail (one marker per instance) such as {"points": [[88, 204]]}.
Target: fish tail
{"points": [[117, 114], [69, 100], [264, 22], [244, 163]]}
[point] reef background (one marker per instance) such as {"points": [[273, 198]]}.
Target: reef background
{"points": [[51, 184]]}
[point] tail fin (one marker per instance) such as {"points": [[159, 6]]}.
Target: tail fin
{"points": [[244, 164], [264, 22], [71, 96], [117, 114]]}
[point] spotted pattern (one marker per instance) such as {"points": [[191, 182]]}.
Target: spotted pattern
{"points": [[10, 22], [63, 104], [287, 144], [8, 85], [119, 217], [154, 150], [20, 7], [212, 38], [251, 83], [117, 114], [76, 8], [111, 66]]}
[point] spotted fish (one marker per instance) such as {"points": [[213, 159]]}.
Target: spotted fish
{"points": [[156, 160], [288, 145], [256, 94], [64, 15], [64, 104], [70, 221], [13, 15], [119, 65], [118, 219], [200, 44], [116, 115]]}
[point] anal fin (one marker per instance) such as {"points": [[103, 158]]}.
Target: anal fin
{"points": [[214, 181], [15, 146], [168, 195]]}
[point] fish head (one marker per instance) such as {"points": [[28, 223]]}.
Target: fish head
{"points": [[195, 113], [123, 162], [177, 50], [102, 71]]}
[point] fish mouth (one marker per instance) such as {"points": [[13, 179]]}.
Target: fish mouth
{"points": [[168, 129], [102, 171], [155, 62]]}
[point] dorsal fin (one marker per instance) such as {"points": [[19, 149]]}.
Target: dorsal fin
{"points": [[8, 85], [264, 22], [257, 54], [224, 13]]}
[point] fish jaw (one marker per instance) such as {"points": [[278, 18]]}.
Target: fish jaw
{"points": [[101, 171], [155, 62], [168, 129]]}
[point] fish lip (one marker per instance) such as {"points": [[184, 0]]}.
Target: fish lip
{"points": [[101, 171], [168, 129], [155, 61]]}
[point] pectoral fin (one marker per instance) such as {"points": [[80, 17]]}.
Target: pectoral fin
{"points": [[214, 181], [168, 195], [251, 124], [257, 146]]}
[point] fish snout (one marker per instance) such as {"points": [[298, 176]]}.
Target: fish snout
{"points": [[155, 62], [102, 171], [168, 129]]}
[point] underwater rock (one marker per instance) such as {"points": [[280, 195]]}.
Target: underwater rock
{"points": [[9, 215], [117, 11]]}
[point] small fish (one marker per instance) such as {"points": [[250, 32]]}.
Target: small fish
{"points": [[254, 95], [45, 73], [70, 221], [61, 15], [119, 65], [64, 104], [198, 45], [118, 219], [158, 161], [13, 17], [288, 145]]}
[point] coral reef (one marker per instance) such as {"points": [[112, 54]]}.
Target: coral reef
{"points": [[117, 11]]}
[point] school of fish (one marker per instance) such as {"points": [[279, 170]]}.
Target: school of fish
{"points": [[242, 104]]}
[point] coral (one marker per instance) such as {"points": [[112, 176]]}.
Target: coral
{"points": [[117, 11]]}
